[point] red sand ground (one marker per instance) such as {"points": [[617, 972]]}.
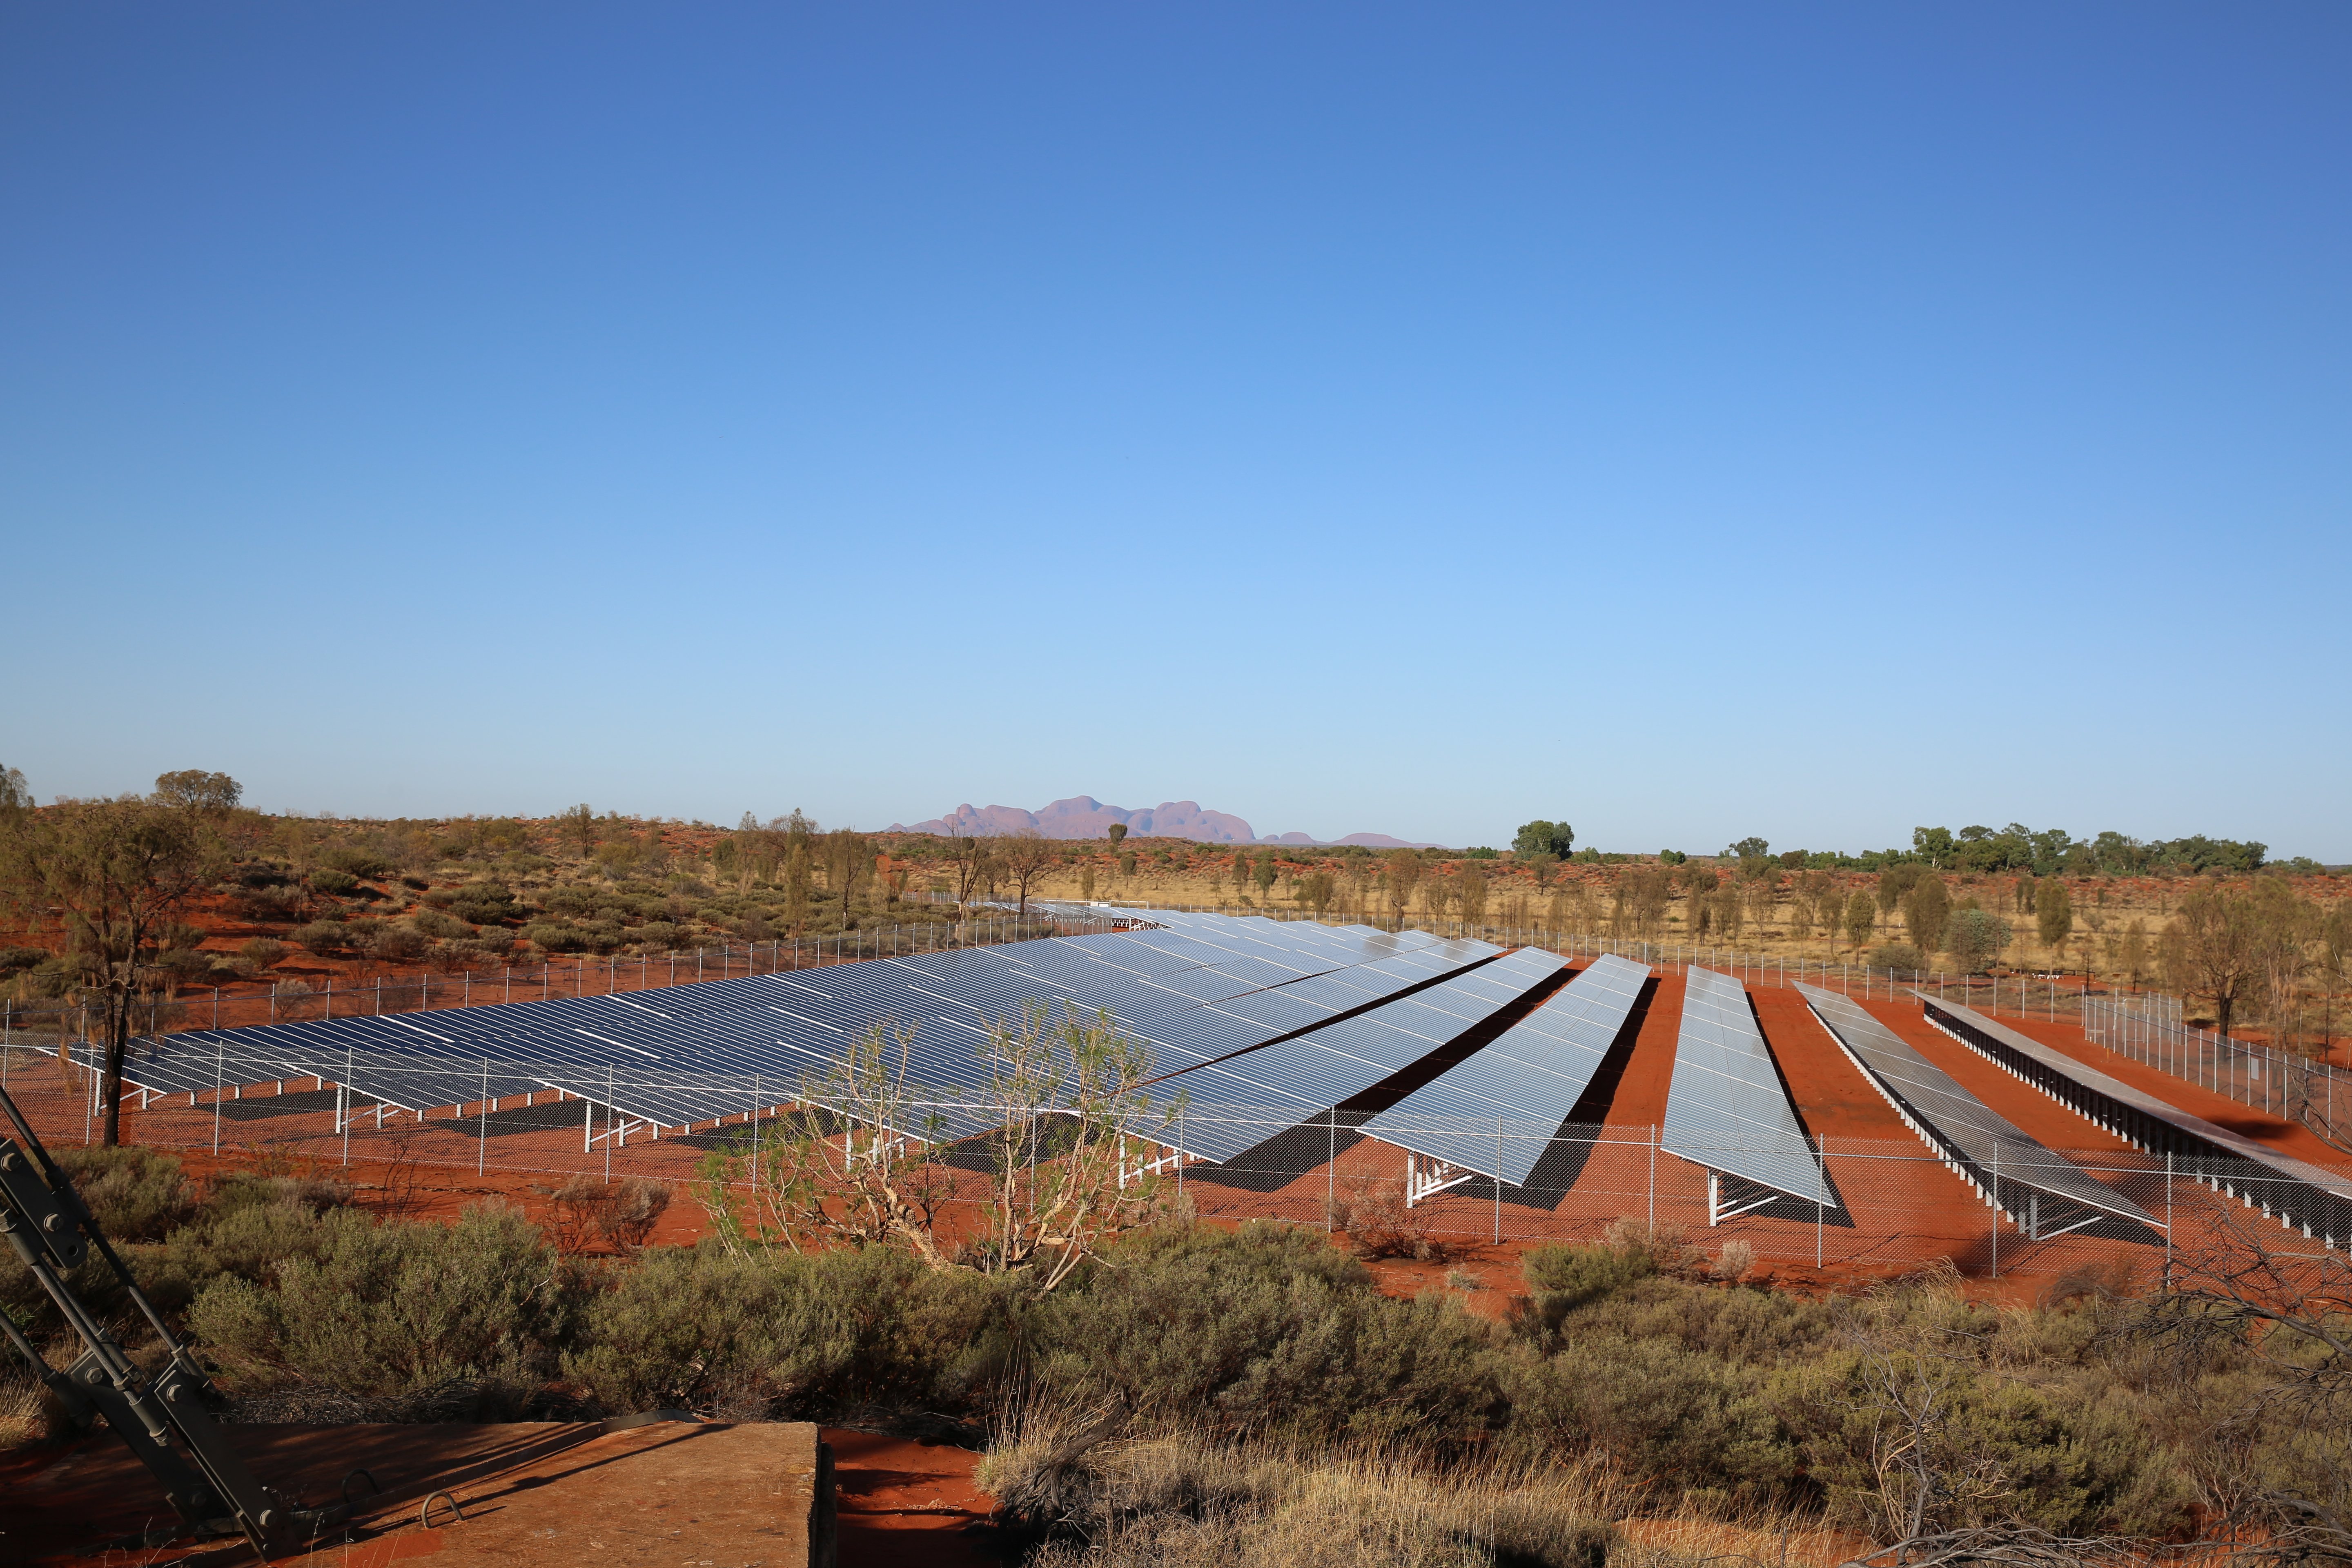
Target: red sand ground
{"points": [[531, 1494]]}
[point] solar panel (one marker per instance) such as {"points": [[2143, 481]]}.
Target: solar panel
{"points": [[1496, 1112], [2296, 1191], [1726, 1108], [1984, 1148], [677, 1055], [1313, 1072]]}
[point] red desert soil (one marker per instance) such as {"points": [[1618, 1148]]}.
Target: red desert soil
{"points": [[533, 1494]]}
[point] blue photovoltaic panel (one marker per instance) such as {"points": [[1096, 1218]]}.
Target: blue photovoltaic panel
{"points": [[1726, 1108], [1496, 1112], [1311, 1074], [682, 1054], [1990, 1149]]}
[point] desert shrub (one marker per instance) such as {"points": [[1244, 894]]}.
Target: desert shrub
{"points": [[262, 952], [482, 952], [1264, 1328], [13, 960], [262, 874], [1667, 1416], [795, 1336], [1371, 1212], [320, 936], [433, 922], [571, 902], [328, 880], [657, 936], [250, 1238], [353, 862], [415, 884], [556, 936], [268, 905], [485, 903], [184, 964], [396, 944], [135, 1195], [385, 1309], [1899, 955], [622, 1213]]}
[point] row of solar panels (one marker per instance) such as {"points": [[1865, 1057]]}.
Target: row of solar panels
{"points": [[1248, 1021]]}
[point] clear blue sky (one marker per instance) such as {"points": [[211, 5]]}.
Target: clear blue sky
{"points": [[1799, 420]]}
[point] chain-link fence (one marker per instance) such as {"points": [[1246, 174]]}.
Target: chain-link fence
{"points": [[1894, 1205], [2148, 1029]]}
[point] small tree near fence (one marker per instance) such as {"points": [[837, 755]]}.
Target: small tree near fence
{"points": [[858, 1159]]}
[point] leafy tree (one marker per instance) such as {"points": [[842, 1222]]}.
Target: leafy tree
{"points": [[1557, 839], [1315, 891], [1028, 855], [119, 872], [1470, 894], [1118, 832], [1933, 845], [2053, 912], [579, 823], [1749, 849], [1539, 865], [1671, 856], [1861, 918], [14, 793], [1975, 938], [1927, 912], [2213, 948], [1266, 873], [1403, 871], [1241, 871], [191, 789]]}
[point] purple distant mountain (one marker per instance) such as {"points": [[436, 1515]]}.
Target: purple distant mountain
{"points": [[1084, 816]]}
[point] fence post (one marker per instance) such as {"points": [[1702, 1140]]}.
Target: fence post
{"points": [[2168, 1220], [1654, 1175], [346, 1098], [1498, 1180], [217, 1095], [482, 1158], [1996, 1208]]}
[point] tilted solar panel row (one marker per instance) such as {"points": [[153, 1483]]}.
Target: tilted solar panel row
{"points": [[1495, 1112], [683, 1054], [1726, 1108], [1981, 1145], [1227, 1102]]}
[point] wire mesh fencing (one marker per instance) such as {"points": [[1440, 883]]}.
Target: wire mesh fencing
{"points": [[1893, 1206], [2148, 1029]]}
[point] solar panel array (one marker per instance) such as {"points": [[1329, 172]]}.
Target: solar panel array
{"points": [[1726, 1108], [1196, 990], [1976, 1141], [1496, 1112], [1303, 1076]]}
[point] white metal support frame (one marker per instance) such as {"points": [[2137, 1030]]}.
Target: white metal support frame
{"points": [[1165, 1157], [1426, 1178], [1720, 1209]]}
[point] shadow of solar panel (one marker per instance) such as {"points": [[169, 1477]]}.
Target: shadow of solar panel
{"points": [[1494, 1112], [1338, 1061], [1726, 1108], [697, 1052], [1993, 1151]]}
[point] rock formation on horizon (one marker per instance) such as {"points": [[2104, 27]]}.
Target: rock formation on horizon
{"points": [[1084, 816]]}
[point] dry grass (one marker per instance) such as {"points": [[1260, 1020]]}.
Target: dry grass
{"points": [[1190, 1501], [22, 1420]]}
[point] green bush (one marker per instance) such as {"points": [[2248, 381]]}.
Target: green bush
{"points": [[353, 862], [387, 1309], [1899, 955], [556, 936], [320, 937], [792, 1336], [434, 923], [1265, 1328], [262, 952], [339, 883], [135, 1195]]}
